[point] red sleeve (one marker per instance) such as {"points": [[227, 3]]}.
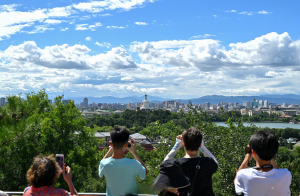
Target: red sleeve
{"points": [[63, 192]]}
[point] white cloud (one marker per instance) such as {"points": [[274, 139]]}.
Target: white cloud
{"points": [[88, 38], [13, 21], [115, 27], [271, 50], [264, 12], [141, 23], [29, 55], [202, 36], [99, 6], [52, 21], [6, 31], [168, 68], [215, 16], [104, 44], [107, 14], [86, 17], [81, 27], [164, 44], [232, 11], [8, 8], [246, 13], [129, 78], [65, 29], [39, 29], [84, 27]]}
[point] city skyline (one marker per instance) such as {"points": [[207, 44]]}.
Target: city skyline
{"points": [[160, 47]]}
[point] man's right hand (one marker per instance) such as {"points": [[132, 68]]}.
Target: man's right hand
{"points": [[132, 149]]}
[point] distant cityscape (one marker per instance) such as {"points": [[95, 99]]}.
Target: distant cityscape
{"points": [[246, 108]]}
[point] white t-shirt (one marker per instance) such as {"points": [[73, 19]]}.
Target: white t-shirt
{"points": [[252, 182]]}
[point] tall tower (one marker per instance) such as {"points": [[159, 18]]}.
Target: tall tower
{"points": [[85, 102], [145, 97]]}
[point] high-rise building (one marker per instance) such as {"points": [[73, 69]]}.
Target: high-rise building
{"points": [[167, 103], [2, 101], [254, 104], [85, 103], [176, 104], [261, 103], [246, 104], [128, 106], [236, 104], [266, 104], [207, 106], [190, 102]]}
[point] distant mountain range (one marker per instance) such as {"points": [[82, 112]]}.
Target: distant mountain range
{"points": [[213, 99]]}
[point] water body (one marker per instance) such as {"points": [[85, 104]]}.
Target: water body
{"points": [[263, 125]]}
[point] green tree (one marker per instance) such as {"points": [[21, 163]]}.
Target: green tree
{"points": [[57, 129]]}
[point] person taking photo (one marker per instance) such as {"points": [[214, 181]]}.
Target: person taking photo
{"points": [[121, 172], [198, 169], [266, 179]]}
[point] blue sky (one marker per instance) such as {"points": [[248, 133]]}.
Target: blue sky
{"points": [[166, 48]]}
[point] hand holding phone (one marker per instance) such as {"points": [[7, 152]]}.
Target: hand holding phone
{"points": [[129, 145], [248, 150]]}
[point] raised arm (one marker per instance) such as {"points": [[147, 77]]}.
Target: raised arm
{"points": [[206, 152], [67, 174], [109, 153], [132, 150], [175, 148]]}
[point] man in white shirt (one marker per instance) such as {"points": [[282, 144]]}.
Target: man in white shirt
{"points": [[265, 179]]}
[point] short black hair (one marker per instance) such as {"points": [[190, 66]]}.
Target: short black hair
{"points": [[192, 138], [119, 136], [265, 144]]}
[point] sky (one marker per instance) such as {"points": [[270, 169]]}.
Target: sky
{"points": [[166, 48]]}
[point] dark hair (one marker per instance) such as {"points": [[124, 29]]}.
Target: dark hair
{"points": [[119, 136], [265, 144], [165, 192], [43, 172], [192, 138]]}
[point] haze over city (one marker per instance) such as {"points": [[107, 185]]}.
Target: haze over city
{"points": [[169, 49]]}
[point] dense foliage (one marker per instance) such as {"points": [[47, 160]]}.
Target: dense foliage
{"points": [[61, 129], [136, 121], [46, 129]]}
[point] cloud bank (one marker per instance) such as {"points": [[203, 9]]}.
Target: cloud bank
{"points": [[170, 68]]}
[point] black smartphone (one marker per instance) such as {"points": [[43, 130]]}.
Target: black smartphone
{"points": [[248, 150], [129, 145], [59, 158]]}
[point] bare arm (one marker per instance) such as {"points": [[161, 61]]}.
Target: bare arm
{"points": [[132, 150], [244, 165], [67, 174], [109, 153], [274, 164]]}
